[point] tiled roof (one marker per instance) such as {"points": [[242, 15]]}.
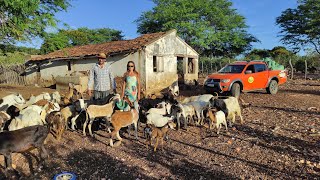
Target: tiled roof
{"points": [[107, 48]]}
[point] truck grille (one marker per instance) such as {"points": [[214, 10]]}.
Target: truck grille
{"points": [[213, 80]]}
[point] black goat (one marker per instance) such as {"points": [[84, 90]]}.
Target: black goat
{"points": [[23, 140]]}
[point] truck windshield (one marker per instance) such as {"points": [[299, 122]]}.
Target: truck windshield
{"points": [[232, 69]]}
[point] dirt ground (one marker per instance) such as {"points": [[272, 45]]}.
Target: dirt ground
{"points": [[279, 140]]}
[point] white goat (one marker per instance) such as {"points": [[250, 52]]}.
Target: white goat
{"points": [[174, 88], [158, 120], [187, 112], [204, 97], [165, 108], [12, 99], [94, 111], [56, 97], [218, 118], [229, 106], [199, 107], [32, 115]]}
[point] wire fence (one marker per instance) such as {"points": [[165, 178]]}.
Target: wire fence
{"points": [[211, 65]]}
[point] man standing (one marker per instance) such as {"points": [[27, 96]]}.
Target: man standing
{"points": [[101, 79]]}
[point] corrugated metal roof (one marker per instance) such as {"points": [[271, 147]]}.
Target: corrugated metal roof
{"points": [[107, 48]]}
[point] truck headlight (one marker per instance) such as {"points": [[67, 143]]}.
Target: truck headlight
{"points": [[225, 80]]}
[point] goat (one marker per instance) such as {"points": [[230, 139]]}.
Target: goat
{"points": [[158, 133], [31, 116], [199, 107], [178, 111], [217, 118], [68, 112], [12, 99], [158, 120], [164, 109], [121, 119], [74, 93], [4, 117], [56, 123], [94, 111], [174, 88], [13, 111], [204, 97], [229, 106], [56, 97], [34, 99], [23, 140]]}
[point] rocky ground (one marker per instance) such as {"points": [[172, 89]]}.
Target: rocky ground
{"points": [[280, 139]]}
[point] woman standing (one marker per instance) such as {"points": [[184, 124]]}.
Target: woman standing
{"points": [[131, 85]]}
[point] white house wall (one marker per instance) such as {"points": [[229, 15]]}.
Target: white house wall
{"points": [[166, 49], [50, 70]]}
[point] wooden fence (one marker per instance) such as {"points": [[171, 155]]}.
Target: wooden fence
{"points": [[13, 74]]}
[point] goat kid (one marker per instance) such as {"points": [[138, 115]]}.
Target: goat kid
{"points": [[229, 106], [217, 118], [158, 133]]}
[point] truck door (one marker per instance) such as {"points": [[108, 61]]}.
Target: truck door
{"points": [[261, 76], [249, 78]]}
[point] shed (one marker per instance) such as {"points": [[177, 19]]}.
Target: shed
{"points": [[161, 59]]}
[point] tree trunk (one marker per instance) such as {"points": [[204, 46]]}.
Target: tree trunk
{"points": [[291, 67], [306, 69]]}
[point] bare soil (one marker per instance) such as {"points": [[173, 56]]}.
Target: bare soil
{"points": [[279, 140]]}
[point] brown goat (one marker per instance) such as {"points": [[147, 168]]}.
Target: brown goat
{"points": [[56, 123], [158, 134], [74, 93], [121, 119]]}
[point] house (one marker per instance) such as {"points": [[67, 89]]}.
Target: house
{"points": [[159, 58]]}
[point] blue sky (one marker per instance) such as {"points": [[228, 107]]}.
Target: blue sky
{"points": [[120, 14]]}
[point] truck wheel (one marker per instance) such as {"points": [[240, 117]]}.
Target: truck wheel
{"points": [[273, 87], [235, 90]]}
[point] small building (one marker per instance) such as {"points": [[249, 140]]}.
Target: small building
{"points": [[159, 58]]}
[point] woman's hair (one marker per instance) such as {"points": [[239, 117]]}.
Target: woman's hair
{"points": [[134, 68]]}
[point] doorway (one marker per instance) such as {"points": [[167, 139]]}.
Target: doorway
{"points": [[180, 70]]}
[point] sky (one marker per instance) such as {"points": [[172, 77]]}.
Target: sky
{"points": [[120, 15]]}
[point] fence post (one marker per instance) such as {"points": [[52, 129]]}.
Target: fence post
{"points": [[306, 69], [291, 67]]}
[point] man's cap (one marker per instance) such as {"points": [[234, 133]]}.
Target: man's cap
{"points": [[102, 56]]}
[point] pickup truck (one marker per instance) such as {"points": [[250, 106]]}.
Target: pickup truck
{"points": [[242, 76]]}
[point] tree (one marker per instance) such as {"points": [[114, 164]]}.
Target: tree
{"points": [[22, 20], [213, 28], [258, 54], [76, 37], [300, 27]]}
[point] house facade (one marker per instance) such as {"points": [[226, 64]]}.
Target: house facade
{"points": [[160, 58]]}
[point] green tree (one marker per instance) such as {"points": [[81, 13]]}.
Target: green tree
{"points": [[9, 48], [76, 37], [22, 20], [213, 28], [258, 54], [300, 26]]}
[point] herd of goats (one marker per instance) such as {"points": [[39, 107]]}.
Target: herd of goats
{"points": [[26, 124]]}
